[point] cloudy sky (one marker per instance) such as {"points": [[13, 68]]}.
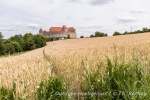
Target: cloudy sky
{"points": [[87, 16]]}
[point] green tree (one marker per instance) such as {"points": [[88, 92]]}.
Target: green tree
{"points": [[19, 39], [17, 46], [81, 36], [40, 41], [29, 42], [16, 37], [2, 46], [9, 48], [145, 29], [100, 34], [92, 35], [2, 49], [116, 33], [125, 33], [1, 36]]}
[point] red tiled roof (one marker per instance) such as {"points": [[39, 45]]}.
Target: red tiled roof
{"points": [[64, 26], [71, 29], [59, 29], [55, 29]]}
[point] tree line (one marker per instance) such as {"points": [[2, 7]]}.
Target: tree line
{"points": [[97, 34], [20, 43], [144, 30], [101, 34]]}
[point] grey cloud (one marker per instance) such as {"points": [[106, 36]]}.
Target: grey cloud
{"points": [[89, 26], [95, 26], [73, 0], [68, 17], [88, 18], [126, 19], [91, 2], [6, 27], [136, 12], [51, 12], [8, 30], [33, 26], [36, 19], [87, 30], [16, 14], [49, 1], [11, 27], [1, 9], [99, 2]]}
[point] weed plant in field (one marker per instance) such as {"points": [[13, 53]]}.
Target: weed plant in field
{"points": [[52, 89], [125, 81], [8, 94]]}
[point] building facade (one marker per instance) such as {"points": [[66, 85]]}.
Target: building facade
{"points": [[58, 33]]}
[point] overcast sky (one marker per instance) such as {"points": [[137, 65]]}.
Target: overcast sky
{"points": [[87, 16]]}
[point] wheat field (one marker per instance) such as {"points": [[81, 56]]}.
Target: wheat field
{"points": [[71, 59]]}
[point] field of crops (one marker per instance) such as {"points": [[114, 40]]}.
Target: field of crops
{"points": [[73, 60]]}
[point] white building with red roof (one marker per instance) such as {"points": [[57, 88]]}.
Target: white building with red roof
{"points": [[58, 33]]}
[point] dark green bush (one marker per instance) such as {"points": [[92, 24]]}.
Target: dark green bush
{"points": [[49, 39], [81, 36], [92, 35], [52, 89], [40, 41]]}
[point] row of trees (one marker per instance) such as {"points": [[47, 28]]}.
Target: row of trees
{"points": [[101, 34], [144, 30], [19, 43], [97, 34]]}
